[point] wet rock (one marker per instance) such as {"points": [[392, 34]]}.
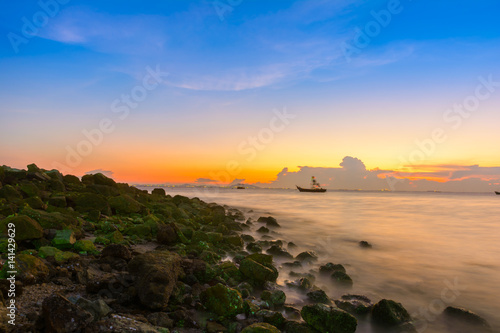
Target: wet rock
{"points": [[118, 251], [98, 179], [118, 323], [302, 284], [47, 251], [62, 316], [292, 312], [259, 268], [54, 220], [293, 326], [254, 247], [329, 268], [295, 264], [35, 203], [263, 230], [356, 304], [160, 319], [58, 201], [269, 221], [234, 240], [389, 313], [65, 256], [64, 239], [167, 235], [307, 256], [9, 193], [213, 327], [85, 245], [260, 328], [124, 204], [247, 238], [275, 298], [279, 252], [271, 317], [328, 319], [222, 300], [319, 296], [156, 275], [461, 320], [87, 202], [30, 269], [365, 244], [25, 227], [341, 278]]}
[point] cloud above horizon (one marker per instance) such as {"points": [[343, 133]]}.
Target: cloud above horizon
{"points": [[352, 175]]}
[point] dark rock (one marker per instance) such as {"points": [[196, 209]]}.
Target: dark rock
{"points": [[365, 244], [118, 251], [9, 193], [167, 235], [64, 239], [389, 313], [254, 247], [462, 320], [260, 328], [329, 268], [259, 268], [356, 304], [62, 316], [124, 204], [307, 256], [342, 278], [98, 308], [293, 326], [118, 323], [328, 319], [271, 317], [279, 252], [269, 221], [302, 284], [156, 275], [159, 192], [25, 227], [263, 230], [58, 201], [87, 202], [275, 298], [319, 296], [160, 319], [213, 327]]}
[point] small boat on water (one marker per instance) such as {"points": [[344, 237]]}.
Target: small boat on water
{"points": [[497, 193], [315, 187]]}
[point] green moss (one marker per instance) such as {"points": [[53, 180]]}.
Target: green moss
{"points": [[47, 251], [222, 300], [260, 328], [64, 239], [25, 227], [62, 257], [85, 245]]}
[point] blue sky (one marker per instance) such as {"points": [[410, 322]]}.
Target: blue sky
{"points": [[230, 65]]}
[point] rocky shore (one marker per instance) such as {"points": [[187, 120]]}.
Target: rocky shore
{"points": [[93, 255]]}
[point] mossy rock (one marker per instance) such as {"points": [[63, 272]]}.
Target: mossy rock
{"points": [[85, 245], [47, 251], [64, 256], [102, 240], [275, 297], [342, 278], [58, 201], [29, 190], [11, 194], [86, 202], [230, 271], [35, 203], [115, 237], [234, 240], [274, 318], [53, 220], [64, 239], [159, 192], [389, 313], [25, 228], [140, 230], [258, 268], [30, 269], [328, 319], [124, 204], [260, 328], [98, 179], [222, 300]]}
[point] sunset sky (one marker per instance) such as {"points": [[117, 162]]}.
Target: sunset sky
{"points": [[184, 91]]}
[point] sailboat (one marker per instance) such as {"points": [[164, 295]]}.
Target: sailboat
{"points": [[315, 187]]}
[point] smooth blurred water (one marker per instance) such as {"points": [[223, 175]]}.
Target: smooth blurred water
{"points": [[423, 243]]}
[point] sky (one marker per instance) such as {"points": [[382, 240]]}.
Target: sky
{"points": [[262, 92]]}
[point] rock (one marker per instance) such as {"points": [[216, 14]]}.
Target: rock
{"points": [[65, 256], [292, 326], [58, 201], [213, 327], [275, 298], [356, 304], [29, 190], [98, 308], [118, 323], [260, 328], [302, 284], [30, 269], [330, 268], [234, 240], [462, 320], [156, 275], [389, 313], [328, 319], [259, 268], [222, 300], [160, 319], [341, 278], [263, 230], [11, 194], [25, 228], [307, 256], [85, 245], [64, 239], [365, 244], [114, 237], [98, 179], [47, 251], [167, 235], [269, 221], [62, 316], [278, 251], [271, 317], [319, 296], [254, 247], [54, 220], [124, 204], [35, 203], [87, 202], [159, 192]]}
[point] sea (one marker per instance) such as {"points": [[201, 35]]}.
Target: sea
{"points": [[429, 250]]}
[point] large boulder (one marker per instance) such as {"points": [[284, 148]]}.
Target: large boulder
{"points": [[54, 220], [461, 320], [88, 202], [357, 304], [11, 194], [259, 268], [62, 316], [124, 204], [25, 228], [30, 269], [325, 318], [156, 275], [98, 179], [64, 239], [222, 300]]}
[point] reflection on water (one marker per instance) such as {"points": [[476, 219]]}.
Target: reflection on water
{"points": [[427, 247]]}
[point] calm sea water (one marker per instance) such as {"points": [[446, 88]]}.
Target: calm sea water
{"points": [[430, 250]]}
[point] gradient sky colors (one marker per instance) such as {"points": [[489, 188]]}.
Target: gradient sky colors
{"points": [[74, 67]]}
